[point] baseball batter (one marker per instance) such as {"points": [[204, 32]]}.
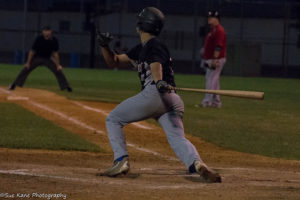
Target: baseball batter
{"points": [[214, 58], [157, 99]]}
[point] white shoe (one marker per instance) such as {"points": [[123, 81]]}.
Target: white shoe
{"points": [[119, 168]]}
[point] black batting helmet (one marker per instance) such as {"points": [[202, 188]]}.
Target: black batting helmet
{"points": [[151, 20]]}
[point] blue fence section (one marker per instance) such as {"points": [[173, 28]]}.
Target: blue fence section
{"points": [[18, 58], [75, 60]]}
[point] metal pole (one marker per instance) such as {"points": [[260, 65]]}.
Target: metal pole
{"points": [[242, 21], [287, 40], [284, 40], [92, 36], [81, 28], [121, 10], [24, 31], [39, 16], [195, 35]]}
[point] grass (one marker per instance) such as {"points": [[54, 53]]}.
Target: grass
{"points": [[20, 128], [270, 127], [104, 85]]}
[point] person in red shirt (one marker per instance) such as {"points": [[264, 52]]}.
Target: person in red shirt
{"points": [[214, 58]]}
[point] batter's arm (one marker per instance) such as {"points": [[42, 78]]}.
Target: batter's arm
{"points": [[114, 60], [111, 58], [156, 71], [157, 75]]}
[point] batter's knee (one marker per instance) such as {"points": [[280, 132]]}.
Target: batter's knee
{"points": [[113, 119], [109, 119]]}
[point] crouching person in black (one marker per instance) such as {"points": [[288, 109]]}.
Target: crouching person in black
{"points": [[44, 51]]}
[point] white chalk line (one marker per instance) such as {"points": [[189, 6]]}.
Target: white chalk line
{"points": [[71, 119], [24, 172], [17, 98], [129, 144], [4, 91], [21, 172], [90, 108], [152, 152], [105, 181], [95, 130], [139, 125], [43, 107], [256, 170]]}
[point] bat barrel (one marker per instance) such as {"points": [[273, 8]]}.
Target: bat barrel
{"points": [[231, 93]]}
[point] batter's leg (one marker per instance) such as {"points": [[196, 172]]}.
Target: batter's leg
{"points": [[144, 105], [173, 127], [183, 148]]}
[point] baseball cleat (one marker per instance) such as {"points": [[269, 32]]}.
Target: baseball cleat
{"points": [[119, 168], [208, 174]]}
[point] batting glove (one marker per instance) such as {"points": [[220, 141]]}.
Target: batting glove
{"points": [[163, 86], [103, 39]]}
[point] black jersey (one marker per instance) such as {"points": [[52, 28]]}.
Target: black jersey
{"points": [[152, 51], [44, 48]]}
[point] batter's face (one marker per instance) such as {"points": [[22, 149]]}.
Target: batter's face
{"points": [[47, 34]]}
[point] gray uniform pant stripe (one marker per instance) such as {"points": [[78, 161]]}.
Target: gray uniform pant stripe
{"points": [[167, 108]]}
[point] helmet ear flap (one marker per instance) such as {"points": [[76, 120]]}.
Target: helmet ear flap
{"points": [[149, 28]]}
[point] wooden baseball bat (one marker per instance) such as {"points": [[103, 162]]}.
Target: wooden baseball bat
{"points": [[231, 93]]}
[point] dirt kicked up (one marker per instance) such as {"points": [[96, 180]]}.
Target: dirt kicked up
{"points": [[155, 173]]}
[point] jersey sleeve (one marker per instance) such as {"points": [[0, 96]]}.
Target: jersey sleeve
{"points": [[134, 53], [158, 54], [220, 38]]}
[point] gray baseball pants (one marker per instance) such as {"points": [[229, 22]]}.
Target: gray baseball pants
{"points": [[166, 108], [212, 78]]}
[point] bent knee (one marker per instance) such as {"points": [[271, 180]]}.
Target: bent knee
{"points": [[112, 118], [109, 119]]}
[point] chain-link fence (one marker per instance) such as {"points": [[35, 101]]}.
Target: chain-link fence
{"points": [[263, 36]]}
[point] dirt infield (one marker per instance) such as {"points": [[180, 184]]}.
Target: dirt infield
{"points": [[155, 171]]}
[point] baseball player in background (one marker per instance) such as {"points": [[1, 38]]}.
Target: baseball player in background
{"points": [[157, 99], [214, 58], [44, 51]]}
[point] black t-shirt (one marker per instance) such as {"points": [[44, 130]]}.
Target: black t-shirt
{"points": [[44, 48], [152, 51]]}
